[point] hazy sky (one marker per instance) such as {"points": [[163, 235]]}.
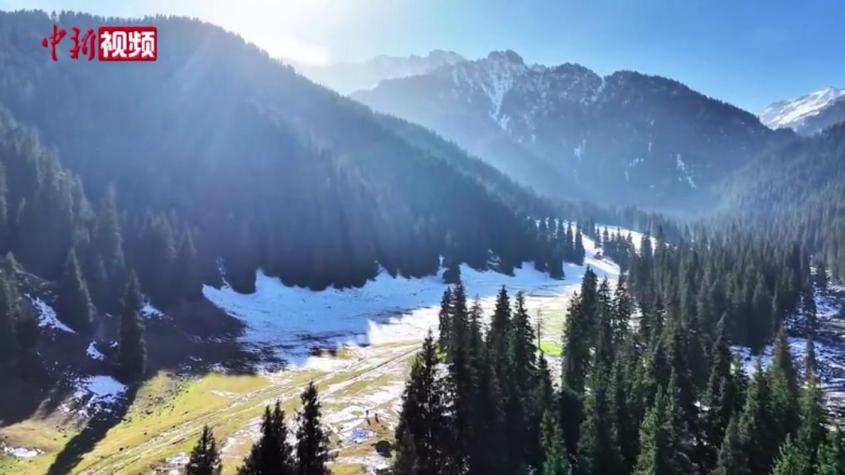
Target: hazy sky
{"points": [[746, 52]]}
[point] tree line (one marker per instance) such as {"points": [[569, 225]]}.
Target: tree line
{"points": [[639, 392]]}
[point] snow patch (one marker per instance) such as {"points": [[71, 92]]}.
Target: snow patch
{"points": [[685, 174], [93, 353], [47, 316], [96, 394], [21, 452], [149, 311]]}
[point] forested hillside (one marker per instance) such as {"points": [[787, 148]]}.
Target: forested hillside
{"points": [[797, 193], [219, 145]]}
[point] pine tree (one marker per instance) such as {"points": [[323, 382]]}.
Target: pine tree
{"points": [[829, 457], [107, 242], [445, 320], [74, 303], [554, 459], [598, 451], [719, 396], [423, 434], [521, 377], [758, 432], [272, 454], [791, 460], [187, 281], [8, 335], [811, 432], [656, 455], [312, 444], [132, 352], [784, 389], [732, 459], [497, 336], [205, 459], [579, 253]]}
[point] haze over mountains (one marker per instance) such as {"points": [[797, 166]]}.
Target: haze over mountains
{"points": [[628, 137], [347, 77]]}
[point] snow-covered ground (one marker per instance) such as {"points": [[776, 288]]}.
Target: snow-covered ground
{"points": [[291, 321], [21, 452], [95, 394], [94, 353], [829, 344], [47, 316]]}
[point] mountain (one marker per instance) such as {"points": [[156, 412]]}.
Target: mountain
{"points": [[796, 193], [626, 138], [808, 114], [219, 145], [347, 77]]}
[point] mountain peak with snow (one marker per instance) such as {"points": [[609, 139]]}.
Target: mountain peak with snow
{"points": [[807, 114]]}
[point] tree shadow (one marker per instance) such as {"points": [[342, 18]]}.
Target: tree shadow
{"points": [[94, 431]]}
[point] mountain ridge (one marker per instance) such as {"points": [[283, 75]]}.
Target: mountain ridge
{"points": [[637, 131]]}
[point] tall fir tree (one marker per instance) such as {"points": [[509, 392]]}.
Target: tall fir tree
{"points": [[312, 442], [423, 435], [732, 459], [272, 454], [205, 459], [74, 305], [132, 350]]}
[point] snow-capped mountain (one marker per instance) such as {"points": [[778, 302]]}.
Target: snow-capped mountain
{"points": [[808, 114], [567, 131], [352, 76]]}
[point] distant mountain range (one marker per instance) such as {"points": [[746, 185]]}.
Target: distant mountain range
{"points": [[807, 115], [626, 138], [347, 77]]}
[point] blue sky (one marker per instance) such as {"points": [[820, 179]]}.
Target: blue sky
{"points": [[749, 53]]}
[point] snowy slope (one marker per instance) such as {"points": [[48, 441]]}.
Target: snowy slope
{"points": [[290, 321], [804, 114]]}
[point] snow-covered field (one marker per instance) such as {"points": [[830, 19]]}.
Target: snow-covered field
{"points": [[292, 321]]}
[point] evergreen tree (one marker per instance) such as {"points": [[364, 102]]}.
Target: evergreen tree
{"points": [[783, 388], [205, 459], [829, 457], [554, 459], [578, 251], [423, 434], [74, 303], [107, 243], [656, 455], [732, 457], [312, 443], [720, 394], [811, 432], [132, 351], [758, 431], [791, 460], [8, 335], [598, 451], [272, 454], [445, 320]]}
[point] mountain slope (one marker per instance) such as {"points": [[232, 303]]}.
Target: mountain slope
{"points": [[626, 138], [808, 114], [260, 165], [348, 77], [797, 193]]}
